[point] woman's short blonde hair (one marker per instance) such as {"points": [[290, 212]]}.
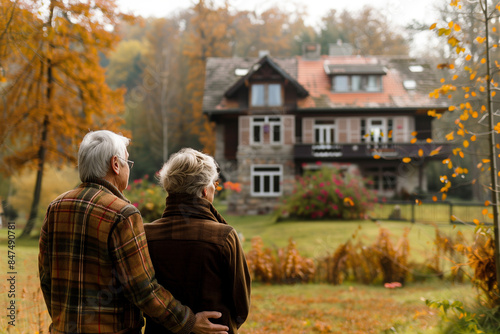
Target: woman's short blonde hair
{"points": [[188, 171]]}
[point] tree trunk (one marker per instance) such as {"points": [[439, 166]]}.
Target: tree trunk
{"points": [[38, 185], [43, 144]]}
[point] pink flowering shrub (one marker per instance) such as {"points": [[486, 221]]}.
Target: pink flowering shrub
{"points": [[148, 197], [328, 193]]}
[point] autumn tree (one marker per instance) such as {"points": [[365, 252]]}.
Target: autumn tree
{"points": [[473, 37], [368, 30], [208, 35], [54, 89]]}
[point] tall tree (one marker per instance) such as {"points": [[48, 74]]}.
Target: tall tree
{"points": [[208, 35], [473, 37], [55, 90], [369, 31]]}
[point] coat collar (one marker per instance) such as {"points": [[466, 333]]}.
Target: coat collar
{"points": [[192, 206]]}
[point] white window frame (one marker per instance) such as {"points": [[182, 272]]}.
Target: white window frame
{"points": [[278, 171], [384, 127], [270, 122], [327, 127]]}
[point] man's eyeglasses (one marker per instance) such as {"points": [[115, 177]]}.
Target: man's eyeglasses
{"points": [[216, 184], [129, 162]]}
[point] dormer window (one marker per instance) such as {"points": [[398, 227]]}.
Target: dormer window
{"points": [[266, 95], [356, 83], [355, 78]]}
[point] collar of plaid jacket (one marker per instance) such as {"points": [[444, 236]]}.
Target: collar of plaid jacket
{"points": [[181, 204], [107, 186]]}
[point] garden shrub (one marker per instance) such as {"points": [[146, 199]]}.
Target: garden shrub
{"points": [[148, 197], [283, 266], [379, 262], [328, 193]]}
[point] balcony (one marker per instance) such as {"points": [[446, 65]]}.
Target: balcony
{"points": [[368, 150]]}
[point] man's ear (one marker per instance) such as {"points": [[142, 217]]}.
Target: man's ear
{"points": [[115, 165], [204, 192]]}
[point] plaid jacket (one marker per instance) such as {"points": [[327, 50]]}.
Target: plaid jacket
{"points": [[95, 271]]}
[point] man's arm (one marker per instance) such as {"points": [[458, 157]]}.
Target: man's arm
{"points": [[136, 273]]}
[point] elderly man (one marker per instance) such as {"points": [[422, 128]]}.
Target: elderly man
{"points": [[95, 271]]}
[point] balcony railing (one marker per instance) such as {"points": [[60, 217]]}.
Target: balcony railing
{"points": [[367, 150]]}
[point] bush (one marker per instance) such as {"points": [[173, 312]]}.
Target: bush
{"points": [[285, 266], [328, 193], [148, 197]]}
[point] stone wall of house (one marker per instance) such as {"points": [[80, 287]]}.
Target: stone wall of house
{"points": [[243, 202]]}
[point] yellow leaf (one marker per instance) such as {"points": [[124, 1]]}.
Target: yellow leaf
{"points": [[434, 198], [461, 154], [485, 212], [449, 136], [486, 203], [451, 108], [456, 27], [429, 140], [485, 161], [442, 80], [376, 157], [455, 77], [490, 216], [468, 57], [473, 138], [483, 60], [433, 26], [453, 218], [420, 152], [413, 140], [406, 160], [493, 94], [418, 202], [475, 221], [414, 133], [466, 143], [443, 197], [480, 39]]}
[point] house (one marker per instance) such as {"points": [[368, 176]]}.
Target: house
{"points": [[276, 118]]}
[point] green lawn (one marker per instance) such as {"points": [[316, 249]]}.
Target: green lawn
{"points": [[309, 308]]}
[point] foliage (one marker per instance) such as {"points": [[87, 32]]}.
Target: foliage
{"points": [[481, 259], [380, 262], [283, 266], [466, 322], [328, 193], [54, 89], [148, 197]]}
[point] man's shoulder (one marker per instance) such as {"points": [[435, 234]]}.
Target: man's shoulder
{"points": [[98, 196]]}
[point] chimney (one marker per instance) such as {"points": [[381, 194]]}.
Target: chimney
{"points": [[340, 49], [311, 51], [263, 53]]}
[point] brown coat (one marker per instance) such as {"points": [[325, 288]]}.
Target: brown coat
{"points": [[199, 259]]}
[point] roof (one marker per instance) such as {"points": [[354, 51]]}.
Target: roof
{"points": [[406, 81], [221, 77]]}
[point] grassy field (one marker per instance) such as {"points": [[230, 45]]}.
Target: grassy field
{"points": [[309, 308]]}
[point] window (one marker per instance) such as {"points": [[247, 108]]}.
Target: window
{"points": [[357, 83], [376, 130], [266, 129], [324, 131], [384, 178], [341, 83], [266, 180], [266, 95]]}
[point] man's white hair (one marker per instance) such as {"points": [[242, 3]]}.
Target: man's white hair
{"points": [[96, 150]]}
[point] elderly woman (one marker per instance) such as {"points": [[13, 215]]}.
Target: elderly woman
{"points": [[196, 254]]}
